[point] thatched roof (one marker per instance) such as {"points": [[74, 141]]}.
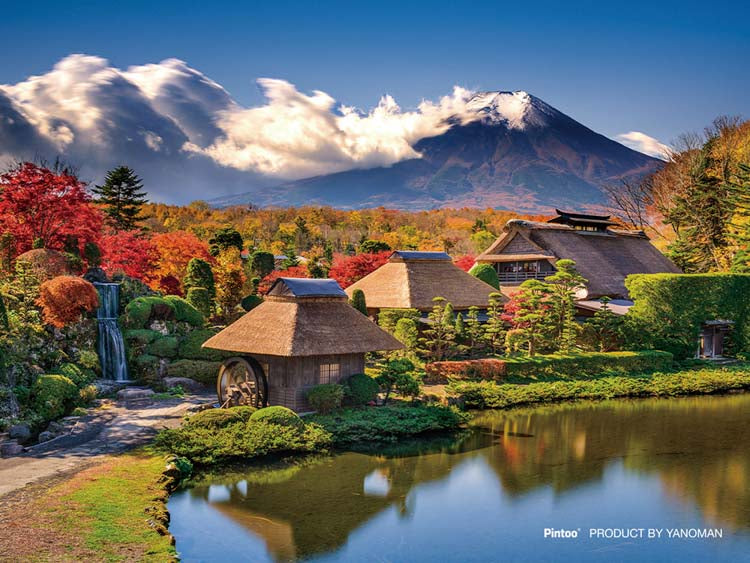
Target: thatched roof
{"points": [[413, 279], [604, 258], [303, 317]]}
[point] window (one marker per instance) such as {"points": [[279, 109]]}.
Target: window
{"points": [[329, 373]]}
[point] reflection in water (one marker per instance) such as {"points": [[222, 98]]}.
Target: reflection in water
{"points": [[663, 463]]}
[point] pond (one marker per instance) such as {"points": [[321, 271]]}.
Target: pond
{"points": [[622, 468]]}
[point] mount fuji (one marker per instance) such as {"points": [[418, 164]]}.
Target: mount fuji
{"points": [[508, 150]]}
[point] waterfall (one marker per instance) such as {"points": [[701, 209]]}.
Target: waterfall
{"points": [[111, 346]]}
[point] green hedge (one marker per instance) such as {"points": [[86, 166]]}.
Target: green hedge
{"points": [[199, 370], [670, 308], [488, 395], [190, 347]]}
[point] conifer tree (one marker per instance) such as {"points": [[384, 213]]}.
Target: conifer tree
{"points": [[358, 301], [439, 339], [200, 274], [532, 323], [604, 328], [122, 196], [494, 328], [563, 285], [407, 333], [474, 332]]}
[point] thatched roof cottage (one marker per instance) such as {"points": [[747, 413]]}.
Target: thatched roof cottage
{"points": [[411, 280], [303, 334], [604, 254]]}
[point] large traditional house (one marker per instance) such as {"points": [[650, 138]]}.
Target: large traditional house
{"points": [[604, 254], [303, 334], [411, 280]]}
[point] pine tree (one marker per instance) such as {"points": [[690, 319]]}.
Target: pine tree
{"points": [[532, 323], [604, 328], [494, 328], [407, 333], [200, 274], [474, 332], [438, 342], [122, 196], [563, 285]]}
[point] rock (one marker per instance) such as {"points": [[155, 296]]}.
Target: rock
{"points": [[134, 394], [96, 275], [45, 436], [105, 387], [160, 327], [20, 432], [8, 449], [55, 427], [186, 383]]}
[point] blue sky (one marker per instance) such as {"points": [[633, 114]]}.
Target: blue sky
{"points": [[661, 68]]}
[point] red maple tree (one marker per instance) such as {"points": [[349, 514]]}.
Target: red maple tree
{"points": [[465, 262], [293, 272], [175, 250], [349, 269], [39, 204], [129, 252]]}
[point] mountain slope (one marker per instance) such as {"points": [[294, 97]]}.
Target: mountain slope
{"points": [[510, 150]]}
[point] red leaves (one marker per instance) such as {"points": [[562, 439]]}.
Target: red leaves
{"points": [[36, 203], [486, 370], [129, 252], [349, 269], [63, 299], [465, 262]]}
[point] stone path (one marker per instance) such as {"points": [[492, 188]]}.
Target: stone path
{"points": [[123, 426]]}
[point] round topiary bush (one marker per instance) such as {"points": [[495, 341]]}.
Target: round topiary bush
{"points": [[244, 412], [277, 415], [185, 312], [213, 418], [53, 396], [486, 273], [250, 302], [361, 389], [199, 298], [326, 397]]}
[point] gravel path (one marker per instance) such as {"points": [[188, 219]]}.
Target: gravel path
{"points": [[113, 430]]}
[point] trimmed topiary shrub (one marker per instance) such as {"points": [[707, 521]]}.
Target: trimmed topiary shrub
{"points": [[326, 397], [358, 301], [163, 347], [251, 302], [213, 418], [388, 318], [486, 273], [190, 347], [65, 298], [277, 415], [202, 371], [141, 310], [53, 396], [199, 298], [361, 389], [185, 312]]}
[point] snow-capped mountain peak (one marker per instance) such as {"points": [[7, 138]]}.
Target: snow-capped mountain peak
{"points": [[517, 110]]}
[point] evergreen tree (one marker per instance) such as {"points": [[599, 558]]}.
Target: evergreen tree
{"points": [[407, 333], [439, 339], [494, 328], [399, 375], [261, 263], [563, 285], [474, 332], [358, 301], [200, 274], [486, 273], [604, 329], [122, 196], [533, 326], [223, 239]]}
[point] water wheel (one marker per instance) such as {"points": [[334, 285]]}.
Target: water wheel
{"points": [[242, 381]]}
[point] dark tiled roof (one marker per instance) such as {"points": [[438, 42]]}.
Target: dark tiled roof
{"points": [[303, 287], [416, 255]]}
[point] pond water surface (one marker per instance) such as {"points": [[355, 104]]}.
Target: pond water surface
{"points": [[488, 495]]}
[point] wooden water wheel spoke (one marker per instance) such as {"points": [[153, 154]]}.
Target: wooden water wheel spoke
{"points": [[242, 381]]}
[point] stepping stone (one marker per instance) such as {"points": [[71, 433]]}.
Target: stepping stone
{"points": [[135, 394], [11, 448]]}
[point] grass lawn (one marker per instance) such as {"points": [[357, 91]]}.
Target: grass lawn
{"points": [[112, 511]]}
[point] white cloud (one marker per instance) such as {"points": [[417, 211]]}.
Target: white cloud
{"points": [[643, 143]]}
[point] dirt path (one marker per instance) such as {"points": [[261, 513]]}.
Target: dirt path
{"points": [[121, 427]]}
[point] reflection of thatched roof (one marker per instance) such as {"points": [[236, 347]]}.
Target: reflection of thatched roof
{"points": [[301, 317], [604, 258], [413, 279]]}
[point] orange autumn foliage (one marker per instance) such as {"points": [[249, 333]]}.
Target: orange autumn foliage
{"points": [[65, 298], [174, 251]]}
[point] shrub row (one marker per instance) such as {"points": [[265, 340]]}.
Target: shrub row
{"points": [[590, 364], [488, 395]]}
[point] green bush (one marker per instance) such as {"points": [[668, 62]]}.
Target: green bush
{"points": [[387, 424], [387, 318], [4, 325], [190, 347], [79, 377], [242, 441], [87, 394], [326, 397], [250, 302], [588, 364], [185, 312], [199, 298], [669, 310], [486, 273], [88, 359], [488, 395], [213, 418], [163, 347], [53, 396], [145, 366], [277, 415], [361, 389], [199, 274], [141, 309], [202, 371], [358, 301], [142, 336]]}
